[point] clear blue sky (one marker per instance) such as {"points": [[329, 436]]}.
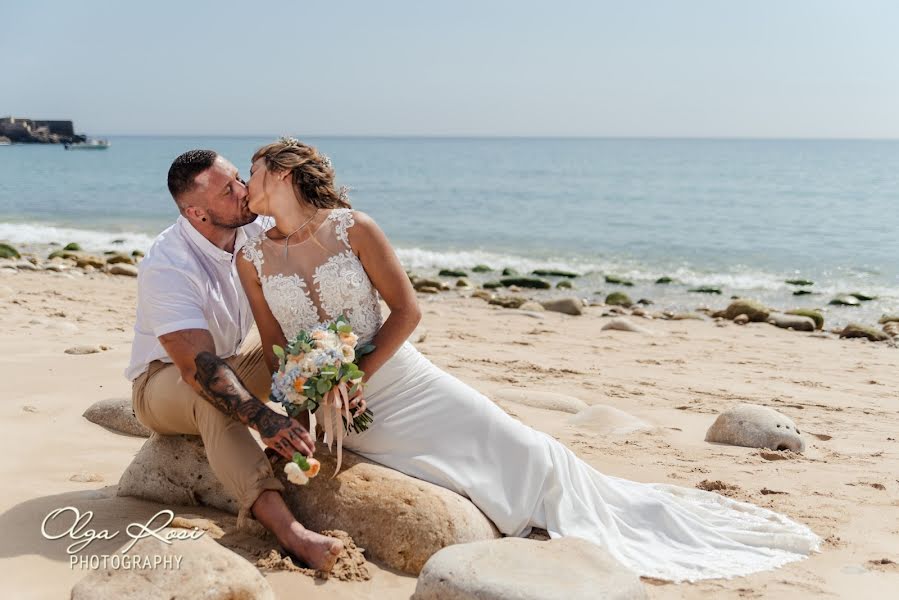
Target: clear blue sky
{"points": [[710, 68]]}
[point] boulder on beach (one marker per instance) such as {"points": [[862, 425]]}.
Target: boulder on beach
{"points": [[812, 314], [491, 285], [622, 324], [562, 569], [119, 258], [888, 319], [508, 301], [399, 520], [755, 426], [525, 282], [72, 247], [891, 329], [568, 306], [482, 294], [420, 284], [664, 280], [93, 261], [533, 306], [123, 269], [198, 568], [481, 269], [756, 311], [619, 299], [116, 414], [510, 272], [794, 322], [856, 330], [564, 285]]}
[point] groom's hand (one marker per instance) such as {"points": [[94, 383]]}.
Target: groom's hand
{"points": [[222, 387], [284, 435]]}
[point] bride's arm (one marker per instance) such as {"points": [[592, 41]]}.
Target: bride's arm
{"points": [[269, 330], [387, 275]]}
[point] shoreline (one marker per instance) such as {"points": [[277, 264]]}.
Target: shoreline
{"points": [[677, 378]]}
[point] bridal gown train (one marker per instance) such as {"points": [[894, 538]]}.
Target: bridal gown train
{"points": [[432, 426]]}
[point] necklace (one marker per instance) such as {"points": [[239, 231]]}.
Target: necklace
{"points": [[287, 239]]}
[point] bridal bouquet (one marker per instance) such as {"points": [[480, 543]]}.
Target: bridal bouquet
{"points": [[318, 370]]}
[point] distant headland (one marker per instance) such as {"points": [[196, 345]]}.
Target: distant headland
{"points": [[31, 131]]}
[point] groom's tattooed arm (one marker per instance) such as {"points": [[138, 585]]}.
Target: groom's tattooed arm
{"points": [[221, 387], [224, 390]]}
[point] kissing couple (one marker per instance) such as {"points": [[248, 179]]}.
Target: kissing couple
{"points": [[215, 271]]}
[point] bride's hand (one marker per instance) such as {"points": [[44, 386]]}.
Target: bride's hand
{"points": [[357, 403]]}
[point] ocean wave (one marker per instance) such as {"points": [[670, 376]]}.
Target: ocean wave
{"points": [[37, 235]]}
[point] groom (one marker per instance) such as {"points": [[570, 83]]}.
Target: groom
{"points": [[192, 313]]}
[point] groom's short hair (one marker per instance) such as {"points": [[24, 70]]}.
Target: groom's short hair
{"points": [[184, 170]]}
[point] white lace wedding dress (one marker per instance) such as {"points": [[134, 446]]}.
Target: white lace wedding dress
{"points": [[430, 425]]}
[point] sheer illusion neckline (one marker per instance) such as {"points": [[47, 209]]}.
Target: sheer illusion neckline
{"points": [[280, 243]]}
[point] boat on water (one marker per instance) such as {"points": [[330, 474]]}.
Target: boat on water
{"points": [[88, 145]]}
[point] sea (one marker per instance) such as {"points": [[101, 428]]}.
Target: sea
{"points": [[743, 216]]}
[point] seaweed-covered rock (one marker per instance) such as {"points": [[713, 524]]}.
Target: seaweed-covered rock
{"points": [[526, 282], [491, 285], [705, 289], [119, 258], [615, 280], [863, 297], [799, 282], [619, 299], [137, 253], [73, 247], [554, 273], [803, 293], [756, 311], [812, 314], [510, 272], [564, 285], [481, 269], [452, 273], [7, 251], [856, 330], [664, 280], [845, 300]]}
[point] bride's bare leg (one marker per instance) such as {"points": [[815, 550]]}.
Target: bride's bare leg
{"points": [[318, 551]]}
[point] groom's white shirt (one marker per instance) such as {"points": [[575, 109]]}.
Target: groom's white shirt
{"points": [[186, 282]]}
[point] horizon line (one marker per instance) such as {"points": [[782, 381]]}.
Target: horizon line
{"points": [[426, 136]]}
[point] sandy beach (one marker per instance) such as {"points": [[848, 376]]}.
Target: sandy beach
{"points": [[841, 393]]}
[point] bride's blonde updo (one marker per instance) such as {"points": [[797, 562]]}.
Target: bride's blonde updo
{"points": [[311, 172]]}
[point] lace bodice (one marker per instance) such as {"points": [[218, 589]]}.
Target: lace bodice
{"points": [[317, 280]]}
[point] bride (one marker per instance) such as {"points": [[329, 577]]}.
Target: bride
{"points": [[322, 259]]}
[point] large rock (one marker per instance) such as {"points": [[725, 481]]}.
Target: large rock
{"points": [[623, 324], [7, 251], [568, 306], [399, 520], [619, 299], [795, 322], [536, 399], [123, 269], [856, 330], [521, 569], [206, 570], [508, 301], [756, 311], [814, 315], [755, 427], [173, 470], [525, 282], [117, 415]]}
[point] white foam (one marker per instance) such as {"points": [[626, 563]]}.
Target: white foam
{"points": [[37, 235]]}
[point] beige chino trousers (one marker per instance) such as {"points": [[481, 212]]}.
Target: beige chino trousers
{"points": [[166, 404]]}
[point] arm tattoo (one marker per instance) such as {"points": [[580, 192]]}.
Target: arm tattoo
{"points": [[225, 391]]}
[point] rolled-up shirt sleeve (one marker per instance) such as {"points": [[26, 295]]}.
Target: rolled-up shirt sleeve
{"points": [[172, 301]]}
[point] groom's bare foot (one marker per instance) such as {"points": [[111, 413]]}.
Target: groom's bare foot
{"points": [[318, 551]]}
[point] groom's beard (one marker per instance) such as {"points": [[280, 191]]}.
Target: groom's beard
{"points": [[245, 218]]}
